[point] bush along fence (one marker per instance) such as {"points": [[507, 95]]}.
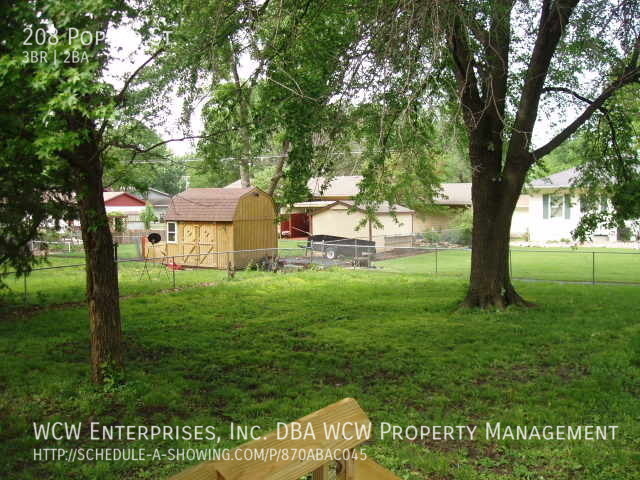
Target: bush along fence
{"points": [[61, 279]]}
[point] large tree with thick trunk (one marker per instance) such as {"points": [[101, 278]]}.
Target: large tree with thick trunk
{"points": [[56, 140], [493, 68], [497, 66], [501, 152]]}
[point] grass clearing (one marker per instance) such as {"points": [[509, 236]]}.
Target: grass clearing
{"points": [[54, 286], [66, 285], [611, 265], [275, 347]]}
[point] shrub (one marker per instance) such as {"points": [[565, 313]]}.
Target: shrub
{"points": [[148, 216], [461, 228], [432, 237]]}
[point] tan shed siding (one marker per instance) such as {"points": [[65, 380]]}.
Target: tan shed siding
{"points": [[224, 232], [162, 249], [255, 205], [254, 228], [209, 245]]}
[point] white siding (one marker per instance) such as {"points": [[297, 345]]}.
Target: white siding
{"points": [[556, 229], [125, 210], [520, 221]]}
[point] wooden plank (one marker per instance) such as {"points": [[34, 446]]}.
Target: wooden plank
{"points": [[346, 469], [321, 473], [345, 415], [204, 471], [340, 413], [370, 470]]}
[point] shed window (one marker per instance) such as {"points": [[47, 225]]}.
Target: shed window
{"points": [[171, 232]]}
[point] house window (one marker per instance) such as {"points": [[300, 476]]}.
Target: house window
{"points": [[171, 232], [556, 206], [588, 203]]}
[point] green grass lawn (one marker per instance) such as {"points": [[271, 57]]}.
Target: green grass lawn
{"points": [[611, 265], [125, 250], [270, 348], [65, 285], [291, 248]]}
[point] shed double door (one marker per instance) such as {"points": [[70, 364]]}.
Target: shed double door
{"points": [[199, 240]]}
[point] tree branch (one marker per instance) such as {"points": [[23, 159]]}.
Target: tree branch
{"points": [[497, 54], [277, 175], [553, 20], [465, 76], [628, 77], [568, 91], [605, 112], [120, 97], [137, 149]]}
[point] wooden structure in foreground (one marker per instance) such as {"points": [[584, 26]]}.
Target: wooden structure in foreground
{"points": [[204, 224], [345, 415]]}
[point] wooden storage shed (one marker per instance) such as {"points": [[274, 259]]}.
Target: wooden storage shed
{"points": [[203, 222]]}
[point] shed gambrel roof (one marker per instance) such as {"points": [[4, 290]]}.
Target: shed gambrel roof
{"points": [[206, 204]]}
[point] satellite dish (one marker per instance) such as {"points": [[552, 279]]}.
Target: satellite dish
{"points": [[154, 238]]}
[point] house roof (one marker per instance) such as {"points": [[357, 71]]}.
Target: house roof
{"points": [[454, 194], [383, 207], [563, 179], [206, 204], [340, 186], [158, 199], [313, 204], [109, 196], [347, 186]]}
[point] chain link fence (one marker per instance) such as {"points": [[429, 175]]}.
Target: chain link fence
{"points": [[61, 278]]}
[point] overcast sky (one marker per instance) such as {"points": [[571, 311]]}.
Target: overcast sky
{"points": [[128, 55]]}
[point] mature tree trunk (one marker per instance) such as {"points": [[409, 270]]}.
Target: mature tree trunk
{"points": [[494, 201], [277, 175], [495, 191], [243, 110], [101, 269]]}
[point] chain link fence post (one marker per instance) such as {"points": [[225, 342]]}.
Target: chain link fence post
{"points": [[115, 255], [510, 262], [593, 268], [355, 260]]}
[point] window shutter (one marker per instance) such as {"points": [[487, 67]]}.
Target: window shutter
{"points": [[545, 206], [567, 206]]}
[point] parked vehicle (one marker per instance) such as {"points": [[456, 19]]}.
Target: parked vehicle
{"points": [[334, 247]]}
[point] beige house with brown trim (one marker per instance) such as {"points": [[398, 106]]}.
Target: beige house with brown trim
{"points": [[336, 219], [330, 211]]}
